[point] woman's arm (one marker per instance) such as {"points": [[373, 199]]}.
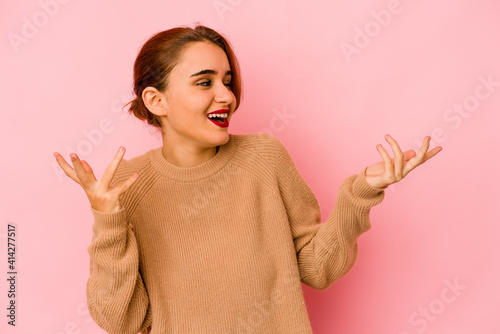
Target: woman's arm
{"points": [[325, 251], [116, 295]]}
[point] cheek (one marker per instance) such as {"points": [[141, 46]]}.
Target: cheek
{"points": [[192, 106], [198, 102]]}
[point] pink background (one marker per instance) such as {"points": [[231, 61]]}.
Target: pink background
{"points": [[406, 75]]}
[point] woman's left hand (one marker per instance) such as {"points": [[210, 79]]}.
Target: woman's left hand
{"points": [[384, 173]]}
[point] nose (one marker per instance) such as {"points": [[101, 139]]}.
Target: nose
{"points": [[224, 95]]}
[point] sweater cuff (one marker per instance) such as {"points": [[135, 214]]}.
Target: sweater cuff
{"points": [[110, 221], [361, 188]]}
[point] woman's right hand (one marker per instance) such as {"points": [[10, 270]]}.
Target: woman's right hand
{"points": [[102, 198]]}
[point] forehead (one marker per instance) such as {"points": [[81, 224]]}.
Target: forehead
{"points": [[203, 55]]}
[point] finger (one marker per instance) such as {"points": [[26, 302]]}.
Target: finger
{"points": [[68, 170], [432, 153], [389, 168], [419, 158], [398, 157], [80, 171], [122, 187], [88, 169], [111, 169], [409, 154]]}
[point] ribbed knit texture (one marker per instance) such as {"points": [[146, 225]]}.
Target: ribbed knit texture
{"points": [[221, 247]]}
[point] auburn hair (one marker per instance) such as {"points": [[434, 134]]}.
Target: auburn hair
{"points": [[159, 55]]}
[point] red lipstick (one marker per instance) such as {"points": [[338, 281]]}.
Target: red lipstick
{"points": [[219, 121]]}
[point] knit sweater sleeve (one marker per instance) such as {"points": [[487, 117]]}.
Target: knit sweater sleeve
{"points": [[116, 295], [325, 251]]}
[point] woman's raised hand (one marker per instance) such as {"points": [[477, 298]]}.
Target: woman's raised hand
{"points": [[384, 173], [101, 197]]}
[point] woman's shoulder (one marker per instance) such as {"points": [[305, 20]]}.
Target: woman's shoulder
{"points": [[258, 141], [261, 146]]}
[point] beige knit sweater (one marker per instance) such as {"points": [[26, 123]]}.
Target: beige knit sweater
{"points": [[221, 247]]}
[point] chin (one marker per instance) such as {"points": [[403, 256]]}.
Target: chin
{"points": [[214, 140], [223, 140]]}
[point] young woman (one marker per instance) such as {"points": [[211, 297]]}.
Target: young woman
{"points": [[214, 232]]}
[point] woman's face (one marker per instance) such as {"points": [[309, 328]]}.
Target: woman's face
{"points": [[198, 85]]}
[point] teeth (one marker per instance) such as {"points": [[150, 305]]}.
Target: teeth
{"points": [[217, 115]]}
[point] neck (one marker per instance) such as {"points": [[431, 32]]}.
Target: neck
{"points": [[182, 155]]}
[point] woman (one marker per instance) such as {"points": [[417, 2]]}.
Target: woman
{"points": [[214, 232]]}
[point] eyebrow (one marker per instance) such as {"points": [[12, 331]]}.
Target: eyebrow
{"points": [[209, 72]]}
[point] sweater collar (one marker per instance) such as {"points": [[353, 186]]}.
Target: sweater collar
{"points": [[205, 169]]}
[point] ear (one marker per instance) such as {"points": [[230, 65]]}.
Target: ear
{"points": [[155, 101]]}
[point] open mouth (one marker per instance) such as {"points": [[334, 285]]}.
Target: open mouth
{"points": [[219, 119]]}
